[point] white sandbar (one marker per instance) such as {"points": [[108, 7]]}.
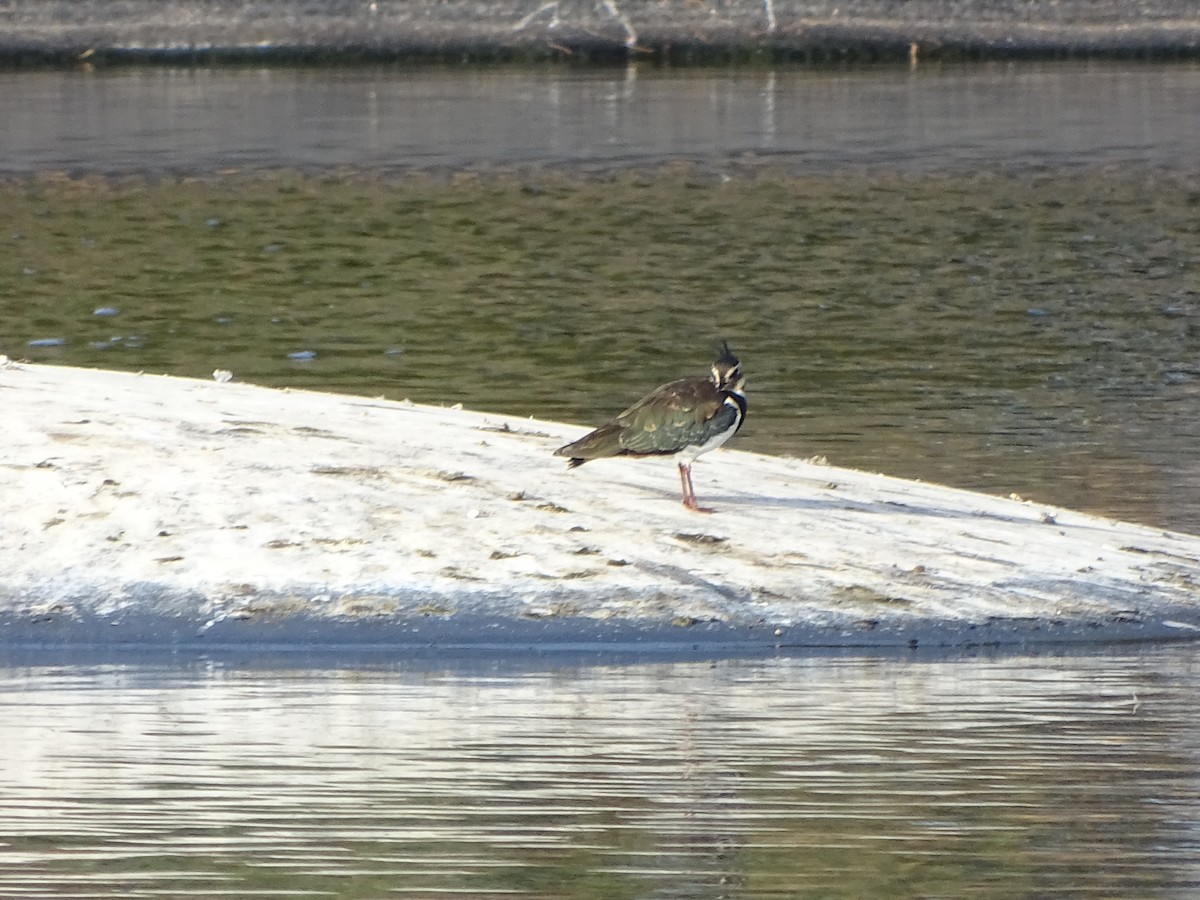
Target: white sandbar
{"points": [[159, 510]]}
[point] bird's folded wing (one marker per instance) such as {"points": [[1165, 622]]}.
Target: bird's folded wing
{"points": [[668, 424]]}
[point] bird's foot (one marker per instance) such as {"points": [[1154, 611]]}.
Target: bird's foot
{"points": [[696, 507]]}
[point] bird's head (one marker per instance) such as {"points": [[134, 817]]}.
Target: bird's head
{"points": [[727, 371]]}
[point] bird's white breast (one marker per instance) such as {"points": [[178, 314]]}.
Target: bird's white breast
{"points": [[688, 454]]}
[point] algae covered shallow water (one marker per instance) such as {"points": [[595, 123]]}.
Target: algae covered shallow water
{"points": [[983, 777], [1025, 332]]}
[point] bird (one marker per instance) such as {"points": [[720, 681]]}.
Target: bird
{"points": [[683, 419]]}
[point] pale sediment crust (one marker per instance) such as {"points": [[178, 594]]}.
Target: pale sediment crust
{"points": [[167, 512], [586, 30]]}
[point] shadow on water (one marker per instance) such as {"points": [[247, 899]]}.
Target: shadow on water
{"points": [[836, 776]]}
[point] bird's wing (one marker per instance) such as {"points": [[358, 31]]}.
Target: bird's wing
{"points": [[675, 416], [604, 441]]}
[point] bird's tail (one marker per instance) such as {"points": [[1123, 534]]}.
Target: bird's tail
{"points": [[604, 441]]}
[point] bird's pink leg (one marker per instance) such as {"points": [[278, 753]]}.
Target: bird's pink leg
{"points": [[685, 482], [689, 493]]}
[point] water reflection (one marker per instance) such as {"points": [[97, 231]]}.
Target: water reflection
{"points": [[926, 119], [788, 777]]}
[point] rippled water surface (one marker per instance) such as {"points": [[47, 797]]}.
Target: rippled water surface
{"points": [[983, 276], [1022, 776], [812, 120]]}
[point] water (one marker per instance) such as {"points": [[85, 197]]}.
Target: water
{"points": [[984, 276], [932, 118], [819, 777]]}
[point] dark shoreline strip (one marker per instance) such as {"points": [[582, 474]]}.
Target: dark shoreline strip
{"points": [[188, 32]]}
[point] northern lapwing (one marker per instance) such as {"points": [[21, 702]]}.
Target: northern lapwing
{"points": [[682, 419]]}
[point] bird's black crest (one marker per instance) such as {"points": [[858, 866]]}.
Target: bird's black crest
{"points": [[724, 354]]}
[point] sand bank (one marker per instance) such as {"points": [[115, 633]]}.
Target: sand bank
{"points": [[167, 511]]}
